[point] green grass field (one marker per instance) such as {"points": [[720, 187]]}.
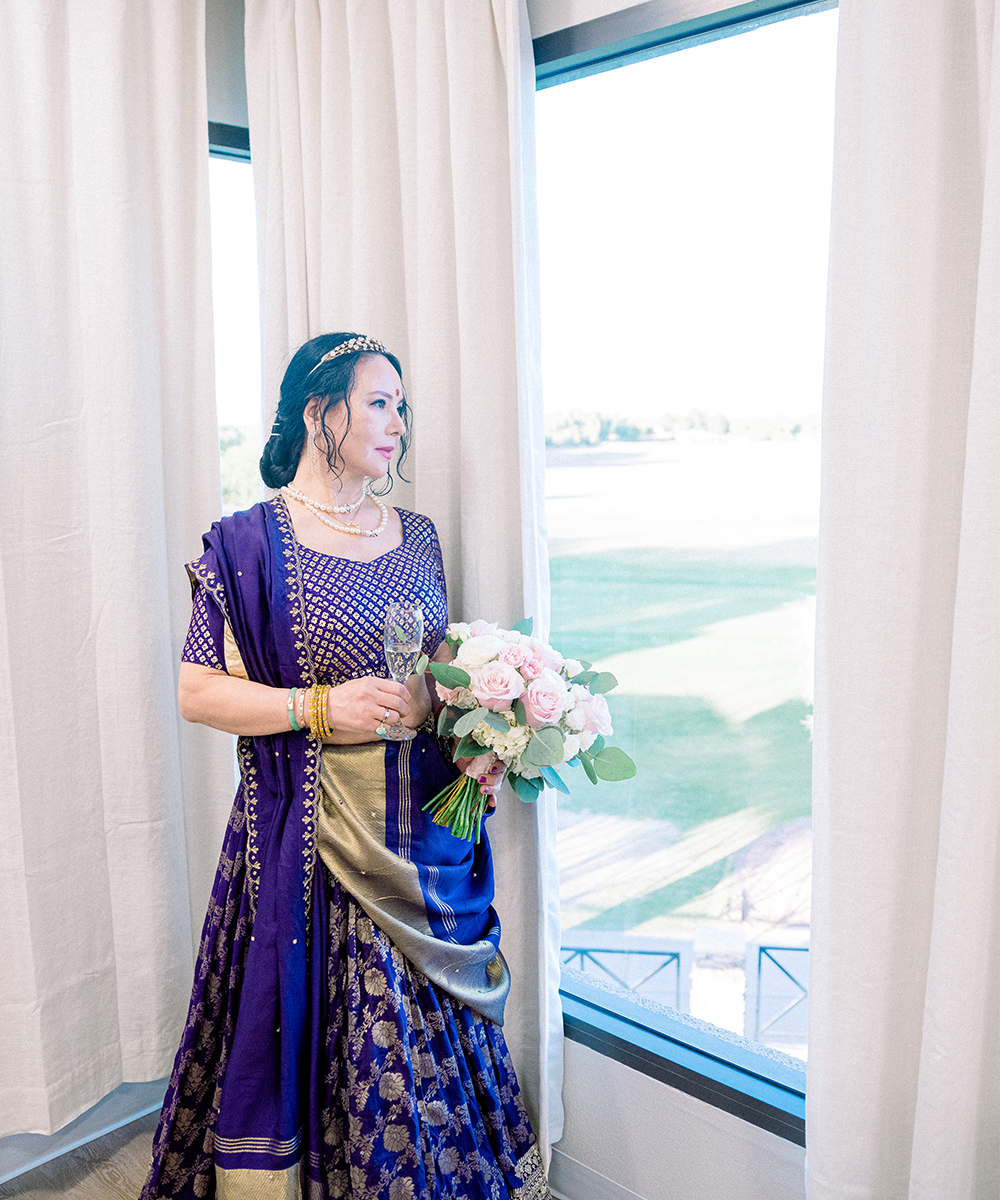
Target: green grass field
{"points": [[696, 762]]}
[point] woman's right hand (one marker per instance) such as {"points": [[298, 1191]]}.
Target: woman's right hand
{"points": [[360, 706]]}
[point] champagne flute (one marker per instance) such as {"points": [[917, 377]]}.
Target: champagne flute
{"points": [[403, 638]]}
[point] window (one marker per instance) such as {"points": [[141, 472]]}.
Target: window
{"points": [[684, 211], [237, 329]]}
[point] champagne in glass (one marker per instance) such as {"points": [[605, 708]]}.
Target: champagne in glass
{"points": [[403, 637]]}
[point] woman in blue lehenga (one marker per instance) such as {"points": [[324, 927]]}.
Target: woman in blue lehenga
{"points": [[344, 1035]]}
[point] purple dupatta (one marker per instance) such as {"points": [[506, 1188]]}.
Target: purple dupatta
{"points": [[242, 1094]]}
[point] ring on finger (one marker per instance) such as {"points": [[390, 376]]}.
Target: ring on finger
{"points": [[385, 717]]}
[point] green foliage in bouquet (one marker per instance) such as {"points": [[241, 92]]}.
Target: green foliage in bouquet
{"points": [[461, 805]]}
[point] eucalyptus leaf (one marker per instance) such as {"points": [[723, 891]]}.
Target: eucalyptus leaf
{"points": [[399, 632], [449, 676], [613, 764], [583, 663], [499, 723], [596, 746], [588, 766], [545, 748], [421, 665], [525, 789], [603, 683], [444, 720], [525, 626], [520, 712], [584, 677], [553, 779], [468, 747], [468, 721]]}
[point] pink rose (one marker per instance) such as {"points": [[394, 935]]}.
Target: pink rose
{"points": [[478, 628], [597, 714], [532, 667], [544, 699], [550, 658], [496, 686], [514, 655], [450, 695]]}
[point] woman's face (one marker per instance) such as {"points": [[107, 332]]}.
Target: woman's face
{"points": [[376, 425]]}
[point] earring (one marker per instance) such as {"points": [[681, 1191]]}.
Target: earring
{"points": [[313, 456]]}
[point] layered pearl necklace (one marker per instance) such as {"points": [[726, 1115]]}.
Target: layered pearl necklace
{"points": [[329, 508], [319, 511]]}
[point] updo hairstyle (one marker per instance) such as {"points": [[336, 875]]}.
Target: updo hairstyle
{"points": [[331, 383]]}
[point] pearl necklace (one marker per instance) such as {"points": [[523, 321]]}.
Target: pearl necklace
{"points": [[354, 528], [330, 508]]}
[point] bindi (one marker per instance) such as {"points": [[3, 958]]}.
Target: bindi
{"points": [[397, 391]]}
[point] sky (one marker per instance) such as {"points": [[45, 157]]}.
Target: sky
{"points": [[684, 222], [684, 225]]}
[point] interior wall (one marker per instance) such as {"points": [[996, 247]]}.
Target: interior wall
{"points": [[628, 1136]]}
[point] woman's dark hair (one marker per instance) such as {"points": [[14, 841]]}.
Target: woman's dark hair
{"points": [[330, 383]]}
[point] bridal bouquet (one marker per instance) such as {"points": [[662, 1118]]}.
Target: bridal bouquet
{"points": [[508, 692]]}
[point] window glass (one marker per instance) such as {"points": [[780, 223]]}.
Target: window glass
{"points": [[684, 213], [237, 330]]}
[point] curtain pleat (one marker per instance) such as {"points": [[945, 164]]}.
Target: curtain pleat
{"points": [[904, 1071], [112, 813], [393, 162]]}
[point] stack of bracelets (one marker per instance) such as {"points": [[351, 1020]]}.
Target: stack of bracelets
{"points": [[318, 724], [316, 696]]}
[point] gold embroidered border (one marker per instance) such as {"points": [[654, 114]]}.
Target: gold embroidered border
{"points": [[248, 774], [531, 1170], [257, 1145], [297, 610], [198, 573], [243, 1183]]}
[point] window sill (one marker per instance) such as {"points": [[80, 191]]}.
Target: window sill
{"points": [[751, 1081]]}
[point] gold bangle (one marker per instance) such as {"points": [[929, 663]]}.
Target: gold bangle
{"points": [[324, 716], [319, 726]]}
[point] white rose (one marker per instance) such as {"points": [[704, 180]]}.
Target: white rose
{"points": [[571, 746], [572, 667], [579, 692], [458, 630], [575, 719], [477, 651], [587, 740]]}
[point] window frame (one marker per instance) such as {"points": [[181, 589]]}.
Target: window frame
{"points": [[228, 141], [752, 1081], [648, 30]]}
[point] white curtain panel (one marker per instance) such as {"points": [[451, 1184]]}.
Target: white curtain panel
{"points": [[904, 1070], [393, 152], [111, 813]]}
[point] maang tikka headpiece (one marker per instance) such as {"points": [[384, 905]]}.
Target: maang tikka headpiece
{"points": [[354, 345]]}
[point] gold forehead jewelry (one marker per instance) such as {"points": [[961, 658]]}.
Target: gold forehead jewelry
{"points": [[354, 345]]}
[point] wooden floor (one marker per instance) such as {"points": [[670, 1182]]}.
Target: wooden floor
{"points": [[112, 1168]]}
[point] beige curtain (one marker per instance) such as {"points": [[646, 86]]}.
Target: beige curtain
{"points": [[393, 158], [904, 1071], [111, 813]]}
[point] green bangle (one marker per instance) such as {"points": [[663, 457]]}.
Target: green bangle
{"points": [[291, 709]]}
